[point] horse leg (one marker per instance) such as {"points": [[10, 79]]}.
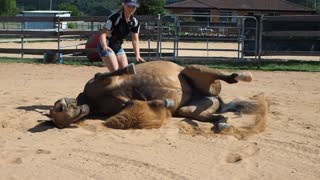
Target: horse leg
{"points": [[141, 114], [127, 70], [205, 109], [206, 80]]}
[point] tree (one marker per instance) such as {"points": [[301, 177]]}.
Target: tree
{"points": [[312, 4], [69, 7], [151, 7], [8, 7], [173, 1]]}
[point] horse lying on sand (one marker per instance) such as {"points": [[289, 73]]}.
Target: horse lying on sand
{"points": [[148, 94]]}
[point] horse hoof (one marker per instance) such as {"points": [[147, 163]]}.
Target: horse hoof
{"points": [[169, 103], [222, 126], [98, 76], [244, 76], [131, 69]]}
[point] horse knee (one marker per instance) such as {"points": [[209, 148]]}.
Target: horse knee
{"points": [[201, 109]]}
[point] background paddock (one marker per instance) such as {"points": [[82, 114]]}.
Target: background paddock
{"points": [[31, 147]]}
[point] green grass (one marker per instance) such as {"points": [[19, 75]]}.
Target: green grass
{"points": [[40, 61], [303, 66], [291, 65]]}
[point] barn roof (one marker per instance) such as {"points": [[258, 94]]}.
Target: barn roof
{"points": [[267, 5], [45, 12]]}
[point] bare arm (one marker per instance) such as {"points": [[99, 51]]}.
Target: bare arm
{"points": [[103, 40], [136, 47]]}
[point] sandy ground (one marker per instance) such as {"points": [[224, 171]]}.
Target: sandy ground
{"points": [[31, 148]]}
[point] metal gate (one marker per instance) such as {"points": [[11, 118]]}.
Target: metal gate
{"points": [[207, 37]]}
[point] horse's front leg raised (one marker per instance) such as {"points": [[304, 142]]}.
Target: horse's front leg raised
{"points": [[127, 70]]}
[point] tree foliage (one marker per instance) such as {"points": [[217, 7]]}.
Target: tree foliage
{"points": [[312, 4], [105, 7], [151, 7], [69, 7], [8, 7], [86, 7], [98, 7]]}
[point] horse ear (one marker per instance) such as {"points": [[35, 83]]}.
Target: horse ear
{"points": [[51, 111]]}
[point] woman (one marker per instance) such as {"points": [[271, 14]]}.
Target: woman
{"points": [[118, 27]]}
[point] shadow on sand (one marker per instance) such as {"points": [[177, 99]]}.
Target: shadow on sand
{"points": [[43, 124]]}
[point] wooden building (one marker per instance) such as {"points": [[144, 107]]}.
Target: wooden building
{"points": [[216, 8]]}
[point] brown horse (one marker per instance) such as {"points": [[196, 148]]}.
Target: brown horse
{"points": [[146, 95]]}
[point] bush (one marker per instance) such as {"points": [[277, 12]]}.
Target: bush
{"points": [[72, 25]]}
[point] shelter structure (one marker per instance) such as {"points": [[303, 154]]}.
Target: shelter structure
{"points": [[45, 25], [216, 8]]}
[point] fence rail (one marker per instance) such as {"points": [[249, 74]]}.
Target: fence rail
{"points": [[290, 35], [95, 24], [252, 36]]}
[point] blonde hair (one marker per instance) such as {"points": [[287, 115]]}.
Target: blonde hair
{"points": [[121, 8]]}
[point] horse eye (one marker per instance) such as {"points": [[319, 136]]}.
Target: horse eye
{"points": [[58, 109], [128, 104]]}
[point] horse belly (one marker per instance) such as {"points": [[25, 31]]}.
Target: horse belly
{"points": [[151, 86]]}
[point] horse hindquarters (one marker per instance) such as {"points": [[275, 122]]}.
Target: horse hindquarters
{"points": [[203, 79]]}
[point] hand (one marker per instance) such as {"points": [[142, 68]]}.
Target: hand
{"points": [[140, 59], [107, 48]]}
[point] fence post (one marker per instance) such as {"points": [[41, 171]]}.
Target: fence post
{"points": [[239, 34], [92, 27], [256, 37], [60, 60], [149, 49], [242, 36], [260, 39], [22, 37], [159, 37], [176, 35]]}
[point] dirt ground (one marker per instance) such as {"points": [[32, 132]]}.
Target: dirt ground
{"points": [[32, 148]]}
